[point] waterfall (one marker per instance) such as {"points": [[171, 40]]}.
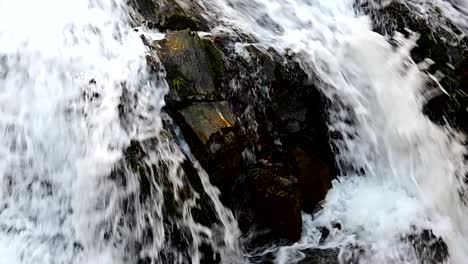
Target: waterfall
{"points": [[75, 91], [93, 170], [399, 171]]}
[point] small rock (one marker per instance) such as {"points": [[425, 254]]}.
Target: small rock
{"points": [[320, 256], [190, 72], [206, 119]]}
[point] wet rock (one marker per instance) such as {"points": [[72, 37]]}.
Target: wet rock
{"points": [[429, 248], [207, 119], [292, 112], [320, 256], [275, 202], [306, 256], [275, 109], [157, 186], [167, 15], [314, 178], [441, 42], [212, 132], [193, 67]]}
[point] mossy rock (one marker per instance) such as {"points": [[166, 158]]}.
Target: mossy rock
{"points": [[194, 67], [216, 62]]}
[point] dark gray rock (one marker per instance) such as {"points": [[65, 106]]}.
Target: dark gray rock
{"points": [[320, 256], [215, 138], [314, 178], [275, 202], [167, 15], [208, 118], [189, 69]]}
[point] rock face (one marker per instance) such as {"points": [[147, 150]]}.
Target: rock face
{"points": [[256, 123], [208, 118], [275, 201], [263, 143], [190, 69], [166, 15]]}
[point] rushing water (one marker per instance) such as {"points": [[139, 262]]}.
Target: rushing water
{"points": [[74, 91], [411, 171], [68, 196]]}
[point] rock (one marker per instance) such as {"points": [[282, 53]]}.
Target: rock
{"points": [[275, 202], [314, 178], [214, 137], [435, 42], [309, 256], [297, 117], [157, 186], [167, 15], [429, 248], [320, 256], [207, 119], [193, 67], [447, 48]]}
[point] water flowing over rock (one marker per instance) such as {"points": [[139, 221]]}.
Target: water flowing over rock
{"points": [[440, 42], [233, 131]]}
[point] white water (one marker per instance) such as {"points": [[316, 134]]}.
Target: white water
{"points": [[58, 204], [63, 69], [413, 169]]}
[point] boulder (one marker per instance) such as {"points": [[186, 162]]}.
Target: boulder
{"points": [[167, 15], [193, 67], [293, 113], [214, 136], [275, 202], [208, 118], [195, 72], [283, 106]]}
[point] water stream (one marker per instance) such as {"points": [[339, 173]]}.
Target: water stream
{"points": [[65, 67], [411, 171]]}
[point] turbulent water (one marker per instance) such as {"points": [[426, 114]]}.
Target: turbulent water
{"points": [[410, 171], [66, 66], [74, 91]]}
